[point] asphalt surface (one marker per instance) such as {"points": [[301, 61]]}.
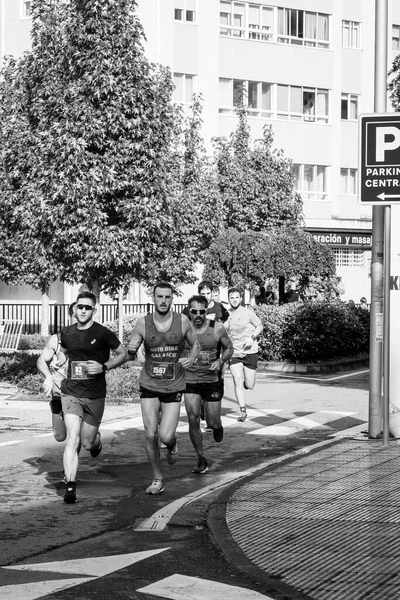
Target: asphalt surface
{"points": [[289, 508]]}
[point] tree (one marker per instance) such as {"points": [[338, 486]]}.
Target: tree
{"points": [[256, 182], [394, 84], [195, 198], [247, 259], [85, 144]]}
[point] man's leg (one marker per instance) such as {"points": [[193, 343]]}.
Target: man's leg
{"points": [[150, 415], [70, 459], [213, 414], [237, 370], [59, 431], [193, 405], [169, 422], [249, 378]]}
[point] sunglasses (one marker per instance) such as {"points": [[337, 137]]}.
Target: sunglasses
{"points": [[84, 306], [201, 311]]}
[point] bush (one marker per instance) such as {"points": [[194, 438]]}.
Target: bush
{"points": [[123, 382], [313, 332], [33, 341], [128, 325]]}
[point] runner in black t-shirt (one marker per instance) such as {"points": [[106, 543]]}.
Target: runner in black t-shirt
{"points": [[87, 345]]}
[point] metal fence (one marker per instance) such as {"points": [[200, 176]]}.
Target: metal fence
{"points": [[30, 314]]}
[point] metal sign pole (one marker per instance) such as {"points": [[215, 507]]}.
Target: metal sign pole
{"points": [[375, 386], [386, 327]]}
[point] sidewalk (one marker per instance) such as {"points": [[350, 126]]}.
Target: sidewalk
{"points": [[326, 524]]}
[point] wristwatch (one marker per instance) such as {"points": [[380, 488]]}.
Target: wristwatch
{"points": [[105, 368]]}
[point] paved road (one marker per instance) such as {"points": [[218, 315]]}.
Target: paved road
{"points": [[114, 522]]}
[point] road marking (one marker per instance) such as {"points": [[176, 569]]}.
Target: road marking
{"points": [[288, 376], [38, 589], [10, 443], [179, 587], [89, 568], [290, 426]]}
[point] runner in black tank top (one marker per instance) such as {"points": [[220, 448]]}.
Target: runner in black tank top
{"points": [[162, 379]]}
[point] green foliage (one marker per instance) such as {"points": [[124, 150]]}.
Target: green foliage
{"points": [[15, 366], [86, 125], [123, 382], [313, 332], [33, 341], [256, 182], [394, 83], [247, 259], [128, 325]]}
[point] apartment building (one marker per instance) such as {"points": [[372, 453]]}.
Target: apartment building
{"points": [[308, 68]]}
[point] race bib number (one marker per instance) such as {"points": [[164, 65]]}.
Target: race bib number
{"points": [[163, 370], [79, 370], [204, 357]]}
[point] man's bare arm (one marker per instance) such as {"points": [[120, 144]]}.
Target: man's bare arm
{"points": [[191, 339], [43, 361], [222, 336], [137, 339]]}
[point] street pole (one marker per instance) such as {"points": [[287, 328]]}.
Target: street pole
{"points": [[378, 219]]}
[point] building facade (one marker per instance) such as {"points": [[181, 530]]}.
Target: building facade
{"points": [[308, 69]]}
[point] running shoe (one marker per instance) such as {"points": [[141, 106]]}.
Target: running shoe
{"points": [[201, 467], [218, 434], [243, 415], [172, 454], [208, 429], [96, 450], [157, 487], [70, 494], [64, 478]]}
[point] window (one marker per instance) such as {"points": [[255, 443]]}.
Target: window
{"points": [[351, 34], [184, 88], [349, 107], [396, 37], [246, 21], [303, 28], [257, 95], [311, 181], [348, 181], [185, 10], [302, 104], [261, 22], [349, 257], [26, 9]]}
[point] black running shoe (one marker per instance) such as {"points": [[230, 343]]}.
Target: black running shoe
{"points": [[97, 449], [218, 434], [201, 467], [70, 494]]}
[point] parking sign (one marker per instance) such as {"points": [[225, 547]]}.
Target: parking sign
{"points": [[379, 158]]}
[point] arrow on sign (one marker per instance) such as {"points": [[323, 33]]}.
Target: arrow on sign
{"points": [[384, 196]]}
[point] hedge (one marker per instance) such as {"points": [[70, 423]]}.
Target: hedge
{"points": [[313, 332]]}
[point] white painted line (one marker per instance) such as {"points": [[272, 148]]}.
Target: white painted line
{"points": [[182, 587], [38, 589], [131, 423], [10, 443], [291, 426], [94, 567], [288, 376]]}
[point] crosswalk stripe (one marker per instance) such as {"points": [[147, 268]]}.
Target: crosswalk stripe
{"points": [[38, 589], [290, 426], [177, 587]]}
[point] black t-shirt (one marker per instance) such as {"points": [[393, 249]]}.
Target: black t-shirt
{"points": [[81, 345], [217, 309]]}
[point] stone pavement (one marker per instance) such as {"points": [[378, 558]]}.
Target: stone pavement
{"points": [[327, 523]]}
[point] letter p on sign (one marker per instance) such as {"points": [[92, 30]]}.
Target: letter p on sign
{"points": [[387, 139]]}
